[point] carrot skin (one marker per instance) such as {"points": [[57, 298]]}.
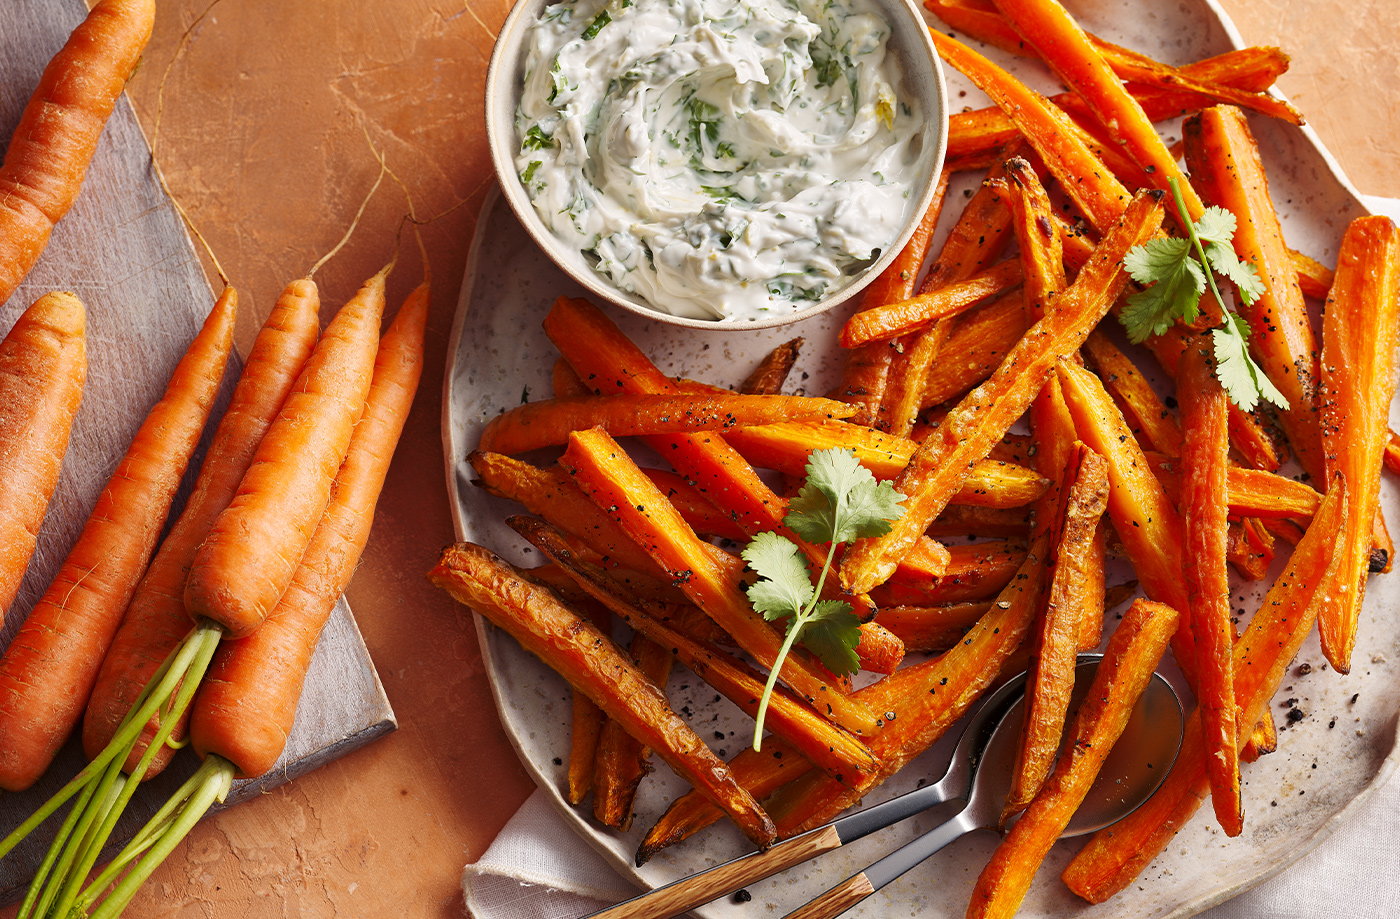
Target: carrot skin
{"points": [[247, 703], [57, 135], [253, 550], [156, 622], [49, 669], [43, 364]]}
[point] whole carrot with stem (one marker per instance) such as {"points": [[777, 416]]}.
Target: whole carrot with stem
{"points": [[48, 670], [43, 363], [156, 622], [57, 135]]}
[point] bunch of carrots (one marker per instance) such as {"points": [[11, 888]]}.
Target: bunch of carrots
{"points": [[946, 353], [203, 637]]}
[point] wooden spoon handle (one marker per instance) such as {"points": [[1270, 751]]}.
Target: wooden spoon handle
{"points": [[836, 900], [686, 894]]}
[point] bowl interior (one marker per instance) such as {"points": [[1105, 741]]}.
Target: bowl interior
{"points": [[923, 77]]}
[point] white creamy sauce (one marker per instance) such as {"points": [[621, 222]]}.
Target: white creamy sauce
{"points": [[719, 158]]}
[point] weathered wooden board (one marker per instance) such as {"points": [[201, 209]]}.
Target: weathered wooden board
{"points": [[124, 251]]}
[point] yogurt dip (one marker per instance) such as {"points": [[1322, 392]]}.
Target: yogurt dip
{"points": [[719, 159]]}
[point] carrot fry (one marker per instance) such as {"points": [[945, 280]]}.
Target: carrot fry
{"points": [[57, 135], [586, 727], [933, 628], [880, 650], [974, 572], [864, 378], [1225, 162], [1205, 460], [1071, 522], [1250, 548], [610, 479], [1358, 382], [703, 517], [1392, 453], [975, 348], [902, 317], [1116, 855], [251, 553], [768, 377], [549, 423], [984, 416], [786, 447], [1251, 493], [1314, 278], [593, 664], [981, 523], [1132, 654], [248, 700], [49, 668], [564, 383], [791, 721], [155, 621], [1148, 417], [622, 761], [43, 363]]}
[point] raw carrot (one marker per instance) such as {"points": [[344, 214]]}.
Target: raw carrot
{"points": [[57, 135], [156, 621], [48, 670], [43, 363], [251, 553], [244, 709]]}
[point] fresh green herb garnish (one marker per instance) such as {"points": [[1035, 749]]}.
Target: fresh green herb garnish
{"points": [[537, 139], [840, 501], [596, 25], [1179, 272], [529, 172]]}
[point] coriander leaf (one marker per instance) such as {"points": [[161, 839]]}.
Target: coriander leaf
{"points": [[1217, 225], [596, 26], [537, 139], [841, 500], [785, 585], [1225, 262], [1177, 282], [832, 633], [1244, 381]]}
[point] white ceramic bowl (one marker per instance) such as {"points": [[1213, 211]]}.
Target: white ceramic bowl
{"points": [[923, 76]]}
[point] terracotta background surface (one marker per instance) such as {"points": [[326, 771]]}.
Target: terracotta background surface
{"points": [[263, 127]]}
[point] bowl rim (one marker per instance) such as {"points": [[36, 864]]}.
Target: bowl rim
{"points": [[500, 137]]}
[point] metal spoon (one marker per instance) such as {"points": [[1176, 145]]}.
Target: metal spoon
{"points": [[1131, 774]]}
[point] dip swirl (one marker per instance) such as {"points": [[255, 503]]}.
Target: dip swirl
{"points": [[719, 159]]}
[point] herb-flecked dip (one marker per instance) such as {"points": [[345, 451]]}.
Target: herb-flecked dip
{"points": [[719, 159]]}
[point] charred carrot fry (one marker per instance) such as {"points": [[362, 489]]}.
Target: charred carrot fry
{"points": [[155, 621], [1128, 663], [607, 475], [621, 760], [585, 727], [975, 571], [57, 135], [791, 721], [1225, 163], [49, 668], [1205, 460], [590, 662], [43, 363], [251, 553], [983, 417], [549, 423], [864, 377], [768, 377], [1116, 855], [1071, 523], [1358, 382]]}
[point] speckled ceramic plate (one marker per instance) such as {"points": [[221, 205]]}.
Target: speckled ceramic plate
{"points": [[1328, 761]]}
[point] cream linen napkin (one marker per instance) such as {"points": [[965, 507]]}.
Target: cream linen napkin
{"points": [[538, 869]]}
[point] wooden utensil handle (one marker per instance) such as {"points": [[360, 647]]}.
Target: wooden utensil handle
{"points": [[836, 900], [679, 896]]}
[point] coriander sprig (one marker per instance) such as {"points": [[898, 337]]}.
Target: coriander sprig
{"points": [[1179, 271], [841, 500]]}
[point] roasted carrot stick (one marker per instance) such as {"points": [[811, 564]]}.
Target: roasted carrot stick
{"points": [[975, 571], [1358, 379], [1225, 163], [1116, 855], [1205, 461], [57, 135], [585, 728], [975, 347], [49, 668], [252, 551], [155, 621], [613, 482], [1151, 421], [768, 377], [549, 423], [933, 628], [621, 760], [1132, 654], [590, 662], [902, 317], [984, 416], [43, 363]]}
